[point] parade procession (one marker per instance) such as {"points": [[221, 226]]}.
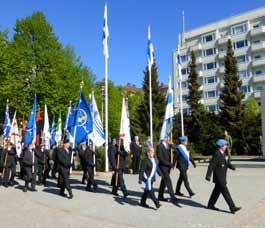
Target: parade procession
{"points": [[80, 151]]}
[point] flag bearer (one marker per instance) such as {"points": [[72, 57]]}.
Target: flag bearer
{"points": [[118, 163]]}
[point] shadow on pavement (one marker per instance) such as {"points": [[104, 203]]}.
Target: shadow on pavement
{"points": [[128, 200]]}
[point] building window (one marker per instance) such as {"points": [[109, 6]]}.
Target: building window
{"points": [[259, 88], [242, 58], [184, 97], [238, 29], [259, 72], [209, 66], [183, 58], [245, 89], [256, 41], [240, 44], [212, 108], [211, 94], [209, 52], [257, 57], [244, 74], [184, 85], [208, 38], [185, 111], [184, 71], [210, 80]]}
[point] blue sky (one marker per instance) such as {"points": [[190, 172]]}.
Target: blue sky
{"points": [[79, 23]]}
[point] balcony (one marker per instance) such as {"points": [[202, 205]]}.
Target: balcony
{"points": [[223, 40], [221, 55], [258, 62], [197, 47], [221, 69], [258, 31], [257, 94], [258, 46], [259, 78]]}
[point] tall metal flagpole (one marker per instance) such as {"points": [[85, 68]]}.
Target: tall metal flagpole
{"points": [[150, 63], [180, 90], [106, 54]]}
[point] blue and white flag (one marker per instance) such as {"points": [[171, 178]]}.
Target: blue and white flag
{"points": [[30, 135], [97, 135], [184, 152], [7, 123], [179, 64], [82, 121], [150, 50], [169, 114], [53, 133], [105, 33]]}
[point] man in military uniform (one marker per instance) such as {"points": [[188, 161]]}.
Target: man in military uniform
{"points": [[89, 157], [29, 167], [118, 163], [10, 156], [183, 158], [165, 163], [64, 165], [136, 154], [218, 166]]}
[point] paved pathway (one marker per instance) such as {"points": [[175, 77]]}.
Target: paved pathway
{"points": [[46, 208]]}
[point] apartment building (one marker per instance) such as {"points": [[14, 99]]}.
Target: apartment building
{"points": [[209, 42]]}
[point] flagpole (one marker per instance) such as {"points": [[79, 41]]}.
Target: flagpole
{"points": [[180, 95], [106, 55], [150, 104], [106, 116]]}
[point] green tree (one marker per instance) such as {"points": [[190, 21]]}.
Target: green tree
{"points": [[39, 64], [142, 122], [252, 127], [196, 108], [231, 108]]}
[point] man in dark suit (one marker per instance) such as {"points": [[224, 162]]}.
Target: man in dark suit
{"points": [[136, 154], [183, 158], [218, 165], [64, 164], [89, 157], [165, 163], [118, 163]]}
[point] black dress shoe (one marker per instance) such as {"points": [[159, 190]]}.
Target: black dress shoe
{"points": [[192, 194], [179, 194], [63, 194], [115, 193], [144, 205], [162, 199], [234, 210], [158, 205], [212, 207], [71, 196], [25, 189], [125, 194]]}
